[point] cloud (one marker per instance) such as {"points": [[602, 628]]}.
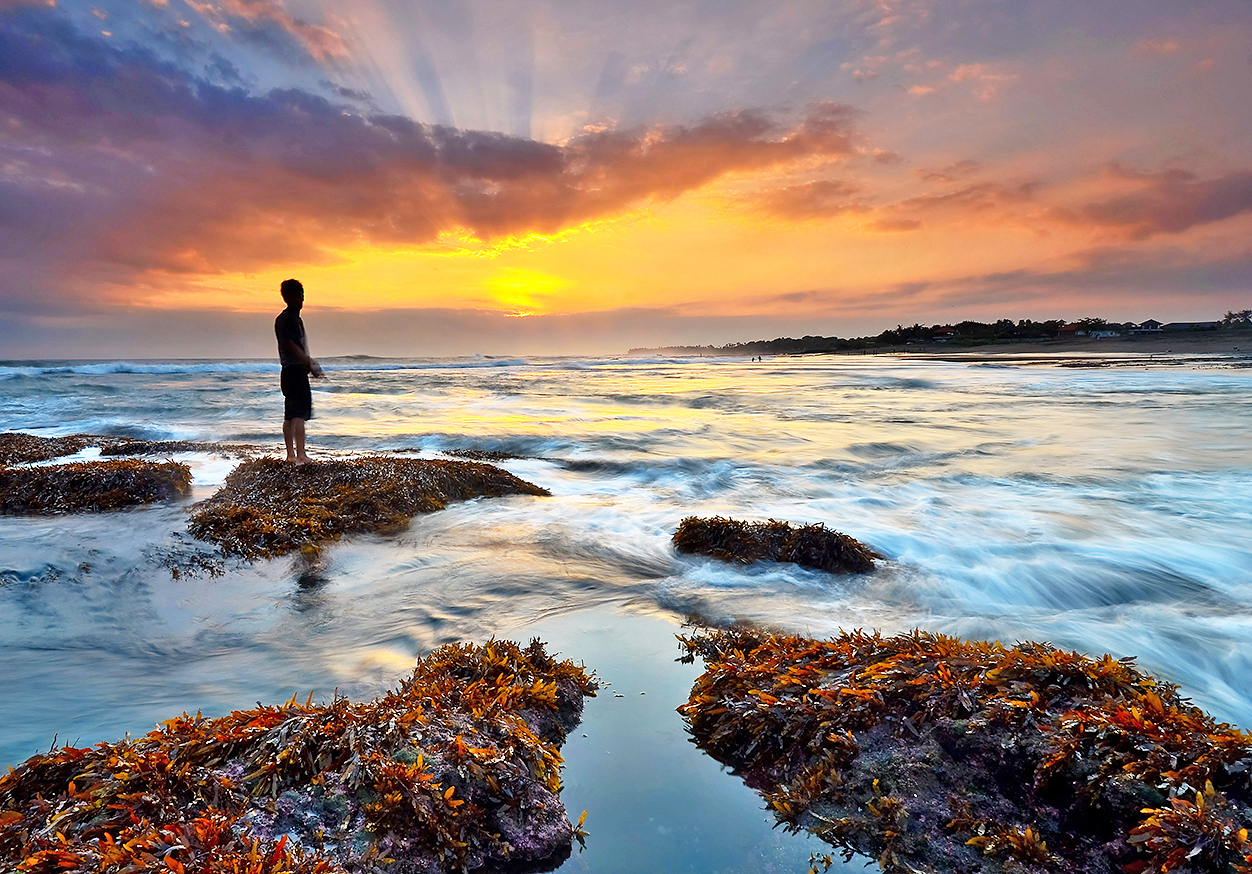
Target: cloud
{"points": [[1160, 46], [951, 172], [819, 199], [253, 18], [1166, 202], [979, 199], [987, 82], [895, 225], [134, 165]]}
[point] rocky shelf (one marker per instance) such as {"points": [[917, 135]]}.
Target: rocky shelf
{"points": [[934, 754], [456, 769], [270, 507]]}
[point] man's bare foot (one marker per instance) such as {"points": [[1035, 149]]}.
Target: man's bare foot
{"points": [[301, 459]]}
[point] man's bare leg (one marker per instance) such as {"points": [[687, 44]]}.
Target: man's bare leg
{"points": [[297, 437], [288, 439]]}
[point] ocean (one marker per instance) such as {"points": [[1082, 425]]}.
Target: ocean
{"points": [[1103, 505]]}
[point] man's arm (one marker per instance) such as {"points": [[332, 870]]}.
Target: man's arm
{"points": [[292, 348]]}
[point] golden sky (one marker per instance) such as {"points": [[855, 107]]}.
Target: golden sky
{"points": [[554, 177]]}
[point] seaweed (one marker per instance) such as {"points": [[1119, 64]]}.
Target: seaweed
{"points": [[18, 448], [814, 546], [481, 454], [938, 754], [268, 507], [90, 486], [457, 768], [127, 446]]}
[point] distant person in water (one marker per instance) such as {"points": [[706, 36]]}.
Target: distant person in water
{"points": [[293, 352]]}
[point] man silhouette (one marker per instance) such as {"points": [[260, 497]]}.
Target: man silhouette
{"points": [[293, 353]]}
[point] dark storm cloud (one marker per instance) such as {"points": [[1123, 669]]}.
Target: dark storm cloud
{"points": [[130, 161]]}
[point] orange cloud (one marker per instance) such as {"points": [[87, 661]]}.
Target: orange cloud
{"points": [[322, 43], [262, 180], [818, 199], [1165, 202]]}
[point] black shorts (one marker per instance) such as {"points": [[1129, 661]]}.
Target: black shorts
{"points": [[297, 396]]}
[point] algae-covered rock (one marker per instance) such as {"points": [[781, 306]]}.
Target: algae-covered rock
{"points": [[935, 754], [90, 486], [457, 768], [814, 546], [16, 448], [269, 507], [114, 446]]}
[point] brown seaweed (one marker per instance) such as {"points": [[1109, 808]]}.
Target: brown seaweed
{"points": [[481, 454], [938, 754], [814, 546], [269, 507], [125, 446], [16, 448], [456, 768], [90, 486]]}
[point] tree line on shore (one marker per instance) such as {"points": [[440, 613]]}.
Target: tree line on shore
{"points": [[966, 333]]}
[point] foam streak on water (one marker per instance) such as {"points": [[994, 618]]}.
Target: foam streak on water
{"points": [[1104, 510]]}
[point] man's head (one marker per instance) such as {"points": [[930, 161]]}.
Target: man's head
{"points": [[293, 292]]}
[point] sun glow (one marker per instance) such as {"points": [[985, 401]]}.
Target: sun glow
{"points": [[522, 292]]}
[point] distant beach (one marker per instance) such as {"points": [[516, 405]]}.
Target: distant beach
{"points": [[1220, 344]]}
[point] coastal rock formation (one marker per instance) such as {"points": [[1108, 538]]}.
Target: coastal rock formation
{"points": [[457, 768], [935, 754], [269, 507], [814, 546], [90, 486]]}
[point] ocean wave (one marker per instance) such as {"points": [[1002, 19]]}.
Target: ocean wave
{"points": [[97, 368]]}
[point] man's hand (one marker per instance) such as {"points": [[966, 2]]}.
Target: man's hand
{"points": [[315, 369]]}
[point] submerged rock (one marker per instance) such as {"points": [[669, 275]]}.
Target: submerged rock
{"points": [[269, 507], [90, 486], [814, 546], [456, 769], [935, 754]]}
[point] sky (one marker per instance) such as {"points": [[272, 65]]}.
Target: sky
{"points": [[498, 177]]}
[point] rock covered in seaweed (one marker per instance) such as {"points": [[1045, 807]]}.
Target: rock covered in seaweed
{"points": [[941, 755], [128, 446], [90, 486], [457, 768], [814, 546], [269, 507], [17, 448]]}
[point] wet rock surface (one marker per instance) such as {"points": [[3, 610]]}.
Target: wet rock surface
{"points": [[935, 754], [455, 770], [814, 546], [269, 507]]}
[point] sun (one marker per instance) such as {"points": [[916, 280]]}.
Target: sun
{"points": [[522, 292]]}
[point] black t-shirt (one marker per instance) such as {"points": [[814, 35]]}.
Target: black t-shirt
{"points": [[289, 326]]}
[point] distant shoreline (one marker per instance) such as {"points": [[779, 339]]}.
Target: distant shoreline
{"points": [[1223, 343]]}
